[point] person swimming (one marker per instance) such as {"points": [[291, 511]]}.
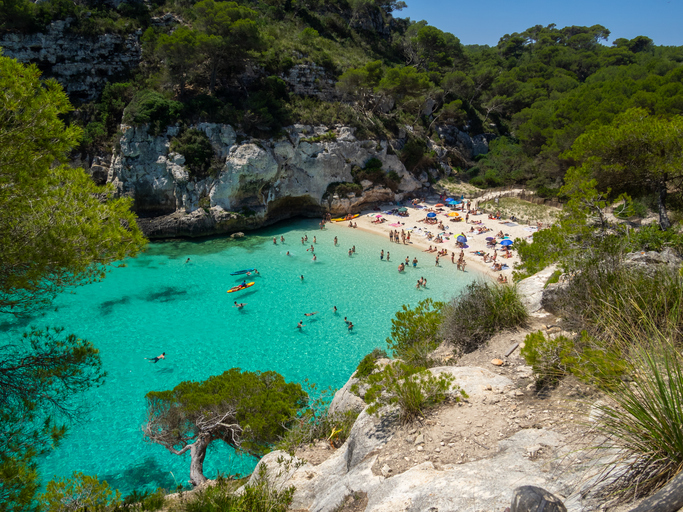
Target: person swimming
{"points": [[187, 260], [240, 305], [311, 314], [157, 358], [299, 325]]}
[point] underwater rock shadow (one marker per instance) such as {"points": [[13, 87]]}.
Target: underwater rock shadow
{"points": [[165, 294], [107, 307], [147, 474]]}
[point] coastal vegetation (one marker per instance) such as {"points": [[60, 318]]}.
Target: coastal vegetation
{"points": [[248, 411], [598, 126], [58, 230]]}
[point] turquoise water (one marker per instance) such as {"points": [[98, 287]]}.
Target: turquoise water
{"points": [[159, 303]]}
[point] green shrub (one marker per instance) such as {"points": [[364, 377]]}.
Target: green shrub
{"points": [[143, 501], [367, 364], [644, 418], [151, 107], [196, 147], [415, 332], [262, 496], [80, 492], [316, 423], [324, 137], [343, 189], [478, 312], [413, 389]]}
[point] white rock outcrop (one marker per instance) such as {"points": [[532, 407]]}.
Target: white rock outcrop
{"points": [[273, 179], [485, 484]]}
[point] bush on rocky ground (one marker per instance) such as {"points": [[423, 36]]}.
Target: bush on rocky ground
{"points": [[415, 332], [413, 389], [481, 310]]}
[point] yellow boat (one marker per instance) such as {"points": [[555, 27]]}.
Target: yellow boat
{"points": [[342, 219], [241, 287]]}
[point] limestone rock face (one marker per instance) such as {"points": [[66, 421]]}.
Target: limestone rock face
{"points": [[260, 181], [81, 64], [488, 483]]}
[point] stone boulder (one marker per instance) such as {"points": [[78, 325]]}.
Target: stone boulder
{"points": [[531, 289], [529, 498]]}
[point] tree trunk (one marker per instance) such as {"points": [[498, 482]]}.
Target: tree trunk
{"points": [[197, 454], [664, 222]]}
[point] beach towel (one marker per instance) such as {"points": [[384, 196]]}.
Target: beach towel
{"points": [[396, 224], [510, 224], [531, 228]]}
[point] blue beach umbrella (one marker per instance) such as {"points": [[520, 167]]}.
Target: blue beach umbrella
{"points": [[462, 239], [449, 199], [506, 242], [431, 215]]}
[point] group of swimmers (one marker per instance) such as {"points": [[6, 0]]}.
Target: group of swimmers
{"points": [[394, 236], [301, 324]]}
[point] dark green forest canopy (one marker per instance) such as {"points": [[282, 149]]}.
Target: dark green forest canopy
{"points": [[540, 88]]}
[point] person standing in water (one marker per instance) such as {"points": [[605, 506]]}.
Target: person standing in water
{"points": [[157, 358], [414, 262], [381, 255], [387, 255], [335, 240]]}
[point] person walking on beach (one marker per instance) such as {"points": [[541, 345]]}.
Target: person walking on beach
{"points": [[157, 358]]}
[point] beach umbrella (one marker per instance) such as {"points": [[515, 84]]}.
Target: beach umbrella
{"points": [[454, 214], [431, 215], [378, 215], [506, 242], [490, 238], [449, 199], [438, 205], [461, 238], [403, 209]]}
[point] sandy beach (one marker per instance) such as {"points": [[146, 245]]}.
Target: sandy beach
{"points": [[413, 222]]}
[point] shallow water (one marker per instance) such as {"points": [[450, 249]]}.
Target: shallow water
{"points": [[159, 303]]}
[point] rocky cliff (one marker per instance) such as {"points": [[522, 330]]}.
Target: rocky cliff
{"points": [[260, 181], [81, 64]]}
